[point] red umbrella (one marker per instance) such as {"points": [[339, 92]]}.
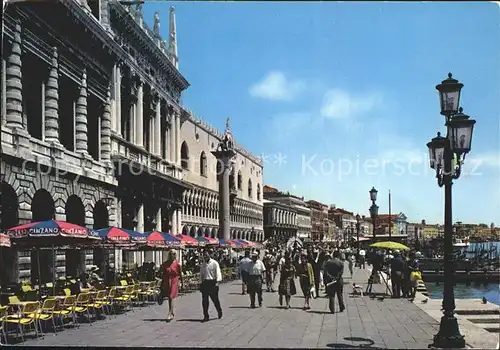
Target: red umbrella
{"points": [[51, 228], [187, 240], [159, 239]]}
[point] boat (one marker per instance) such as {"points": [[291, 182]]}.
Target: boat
{"points": [[461, 243]]}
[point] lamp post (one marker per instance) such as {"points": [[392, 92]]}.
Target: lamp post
{"points": [[446, 155], [358, 227], [373, 208]]}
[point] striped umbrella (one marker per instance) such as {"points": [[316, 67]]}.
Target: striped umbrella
{"points": [[187, 240], [160, 239], [207, 240], [51, 228]]}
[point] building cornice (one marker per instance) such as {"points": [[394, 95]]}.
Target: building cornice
{"points": [[108, 43], [142, 34]]}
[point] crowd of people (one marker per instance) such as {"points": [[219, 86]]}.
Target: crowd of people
{"points": [[316, 269]]}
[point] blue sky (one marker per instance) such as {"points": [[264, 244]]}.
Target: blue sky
{"points": [[340, 97]]}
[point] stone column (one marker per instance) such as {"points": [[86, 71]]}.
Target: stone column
{"points": [[52, 101], [224, 157], [13, 83], [172, 137], [106, 130], [179, 221], [81, 117], [118, 100], [177, 138], [139, 132], [173, 229], [157, 128], [158, 220]]}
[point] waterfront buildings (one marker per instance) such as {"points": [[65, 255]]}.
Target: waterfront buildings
{"points": [[285, 215], [319, 219], [94, 133]]}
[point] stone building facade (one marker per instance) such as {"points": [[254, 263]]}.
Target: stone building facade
{"points": [[319, 219], [94, 133], [280, 221], [299, 212]]}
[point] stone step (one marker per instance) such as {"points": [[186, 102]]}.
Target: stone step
{"points": [[489, 327], [478, 312], [484, 319]]}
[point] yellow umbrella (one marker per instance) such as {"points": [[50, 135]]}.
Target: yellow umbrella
{"points": [[389, 245]]}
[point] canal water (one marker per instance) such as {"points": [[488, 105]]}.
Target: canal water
{"points": [[491, 291]]}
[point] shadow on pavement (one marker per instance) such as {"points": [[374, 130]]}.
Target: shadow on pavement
{"points": [[365, 344], [155, 319], [319, 312], [190, 320], [234, 293], [239, 307]]}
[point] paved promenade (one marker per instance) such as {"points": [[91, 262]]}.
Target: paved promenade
{"points": [[366, 323]]}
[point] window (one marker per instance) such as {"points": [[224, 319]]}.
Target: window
{"points": [[203, 164], [184, 155], [240, 180], [250, 189], [258, 192]]}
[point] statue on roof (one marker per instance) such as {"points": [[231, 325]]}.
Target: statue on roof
{"points": [[227, 143], [156, 25]]}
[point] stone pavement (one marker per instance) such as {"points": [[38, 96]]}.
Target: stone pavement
{"points": [[366, 323]]}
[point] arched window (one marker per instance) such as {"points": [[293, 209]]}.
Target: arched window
{"points": [[184, 155], [232, 184], [218, 170], [249, 188], [258, 192], [240, 180], [203, 164]]}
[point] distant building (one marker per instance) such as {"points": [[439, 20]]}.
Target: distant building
{"points": [[319, 220], [279, 209], [397, 221]]}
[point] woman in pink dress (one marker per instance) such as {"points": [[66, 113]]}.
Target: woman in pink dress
{"points": [[170, 282]]}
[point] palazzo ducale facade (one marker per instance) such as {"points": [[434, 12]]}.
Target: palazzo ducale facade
{"points": [[94, 133]]}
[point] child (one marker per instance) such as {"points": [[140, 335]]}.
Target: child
{"points": [[415, 277]]}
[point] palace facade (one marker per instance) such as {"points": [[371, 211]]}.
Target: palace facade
{"points": [[94, 132]]}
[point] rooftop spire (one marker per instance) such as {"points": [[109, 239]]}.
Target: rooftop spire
{"points": [[172, 39]]}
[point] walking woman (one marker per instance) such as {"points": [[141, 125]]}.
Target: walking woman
{"points": [[170, 281], [287, 283], [305, 273]]}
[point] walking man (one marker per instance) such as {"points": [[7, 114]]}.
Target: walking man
{"points": [[333, 272], [397, 271], [256, 269], [244, 272], [210, 275]]}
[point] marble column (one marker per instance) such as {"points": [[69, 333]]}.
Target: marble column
{"points": [[139, 123], [13, 83], [139, 256], [179, 221], [224, 157], [177, 138], [52, 101], [157, 129], [118, 101], [172, 137], [173, 229], [106, 130], [158, 220], [81, 117]]}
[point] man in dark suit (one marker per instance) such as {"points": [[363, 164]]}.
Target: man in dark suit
{"points": [[317, 264], [332, 275]]}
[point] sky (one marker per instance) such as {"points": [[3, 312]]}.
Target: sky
{"points": [[340, 97]]}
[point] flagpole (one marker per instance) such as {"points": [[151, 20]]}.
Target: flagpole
{"points": [[390, 216]]}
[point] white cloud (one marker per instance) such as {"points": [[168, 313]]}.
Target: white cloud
{"points": [[340, 104], [276, 87]]}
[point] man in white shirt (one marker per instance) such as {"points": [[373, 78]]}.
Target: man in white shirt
{"points": [[255, 269], [244, 272], [210, 275]]}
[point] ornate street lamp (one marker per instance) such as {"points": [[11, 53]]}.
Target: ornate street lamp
{"points": [[373, 215], [358, 226], [373, 194], [447, 155], [373, 208]]}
